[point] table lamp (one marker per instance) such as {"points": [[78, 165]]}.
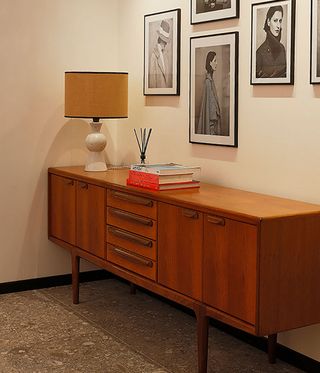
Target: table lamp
{"points": [[96, 95]]}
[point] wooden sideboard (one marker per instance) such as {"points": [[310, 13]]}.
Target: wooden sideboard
{"points": [[249, 260]]}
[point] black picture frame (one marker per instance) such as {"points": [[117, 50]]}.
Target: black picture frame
{"points": [[272, 42], [315, 43], [213, 96], [213, 10], [162, 53]]}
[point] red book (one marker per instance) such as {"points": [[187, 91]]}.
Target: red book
{"points": [[154, 186], [159, 179]]}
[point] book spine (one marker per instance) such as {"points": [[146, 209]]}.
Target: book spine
{"points": [[143, 184], [143, 176]]}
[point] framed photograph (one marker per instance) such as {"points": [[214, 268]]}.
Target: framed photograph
{"points": [[315, 43], [162, 53], [213, 10], [272, 42], [213, 117]]}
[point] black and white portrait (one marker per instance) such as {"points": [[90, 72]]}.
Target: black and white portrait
{"points": [[315, 43], [212, 10], [161, 63], [213, 93], [272, 49]]}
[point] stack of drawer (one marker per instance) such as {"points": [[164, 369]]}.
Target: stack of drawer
{"points": [[132, 233]]}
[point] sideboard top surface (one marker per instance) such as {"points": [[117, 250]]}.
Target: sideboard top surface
{"points": [[213, 197]]}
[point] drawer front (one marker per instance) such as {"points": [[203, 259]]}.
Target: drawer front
{"points": [[128, 221], [132, 242], [132, 203], [128, 260]]}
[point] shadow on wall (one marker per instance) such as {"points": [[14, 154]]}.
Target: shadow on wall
{"points": [[61, 142]]}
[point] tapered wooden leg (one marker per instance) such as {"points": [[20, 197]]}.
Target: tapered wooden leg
{"points": [[272, 346], [75, 278], [202, 336], [132, 288]]}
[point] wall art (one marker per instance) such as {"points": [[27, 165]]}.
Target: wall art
{"points": [[272, 42], [213, 10], [162, 53], [213, 101], [315, 43]]}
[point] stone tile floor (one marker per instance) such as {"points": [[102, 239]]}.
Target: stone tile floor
{"points": [[111, 331]]}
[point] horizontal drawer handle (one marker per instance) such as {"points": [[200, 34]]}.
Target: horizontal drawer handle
{"points": [[190, 214], [216, 220], [69, 182], [128, 216], [130, 237], [131, 198], [131, 257]]}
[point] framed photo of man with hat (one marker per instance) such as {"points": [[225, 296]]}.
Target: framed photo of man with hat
{"points": [[162, 53]]}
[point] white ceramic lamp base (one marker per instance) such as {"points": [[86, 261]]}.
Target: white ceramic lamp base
{"points": [[96, 142]]}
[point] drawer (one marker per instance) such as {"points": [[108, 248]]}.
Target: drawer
{"points": [[132, 203], [129, 260], [128, 221], [132, 242]]}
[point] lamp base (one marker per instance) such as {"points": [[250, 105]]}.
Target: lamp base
{"points": [[96, 142], [95, 162]]}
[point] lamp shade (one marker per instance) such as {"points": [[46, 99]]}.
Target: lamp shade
{"points": [[96, 94]]}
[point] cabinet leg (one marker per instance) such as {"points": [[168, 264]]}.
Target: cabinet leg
{"points": [[132, 288], [202, 337], [75, 278], [272, 346]]}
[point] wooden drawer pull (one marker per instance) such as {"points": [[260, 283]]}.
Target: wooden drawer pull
{"points": [[216, 220], [69, 182], [190, 214], [131, 257], [83, 185], [128, 216], [134, 199], [130, 237]]}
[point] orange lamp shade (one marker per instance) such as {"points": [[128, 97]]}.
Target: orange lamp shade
{"points": [[96, 94]]}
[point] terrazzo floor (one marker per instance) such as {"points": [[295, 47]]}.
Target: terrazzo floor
{"points": [[112, 331]]}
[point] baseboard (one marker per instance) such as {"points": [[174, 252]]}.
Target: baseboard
{"points": [[46, 282]]}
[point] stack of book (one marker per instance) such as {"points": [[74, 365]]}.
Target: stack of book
{"points": [[163, 176]]}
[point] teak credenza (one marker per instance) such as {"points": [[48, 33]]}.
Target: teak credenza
{"points": [[249, 260]]}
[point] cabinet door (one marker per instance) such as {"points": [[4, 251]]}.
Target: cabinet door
{"points": [[62, 207], [91, 218], [229, 267], [180, 249]]}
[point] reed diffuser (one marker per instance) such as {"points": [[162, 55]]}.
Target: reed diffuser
{"points": [[143, 141]]}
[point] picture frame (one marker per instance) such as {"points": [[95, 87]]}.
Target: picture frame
{"points": [[162, 53], [315, 43], [272, 42], [213, 95], [213, 10]]}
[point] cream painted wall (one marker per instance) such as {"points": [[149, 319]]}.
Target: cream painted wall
{"points": [[279, 126], [40, 40]]}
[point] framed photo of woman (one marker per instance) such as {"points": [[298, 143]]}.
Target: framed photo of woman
{"points": [[272, 42], [213, 10], [315, 42], [162, 53], [213, 100]]}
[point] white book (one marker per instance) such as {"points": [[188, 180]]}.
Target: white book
{"points": [[165, 168]]}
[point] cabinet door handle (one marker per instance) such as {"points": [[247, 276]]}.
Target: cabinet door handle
{"points": [[131, 198], [190, 214], [130, 237], [128, 216], [131, 257], [216, 220], [69, 182], [83, 185]]}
